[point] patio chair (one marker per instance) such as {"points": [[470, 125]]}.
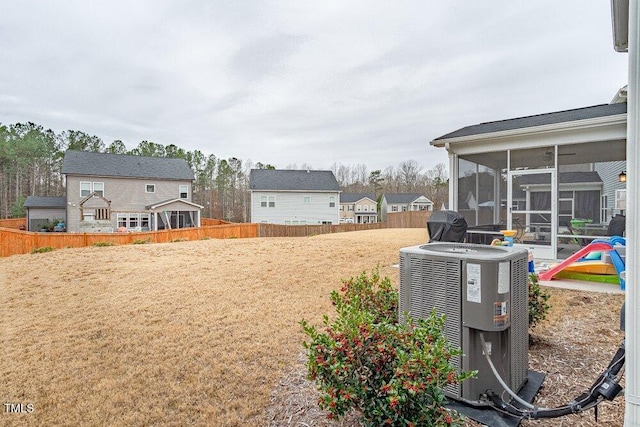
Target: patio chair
{"points": [[581, 241]]}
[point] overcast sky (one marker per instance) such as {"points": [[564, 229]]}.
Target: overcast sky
{"points": [[301, 82]]}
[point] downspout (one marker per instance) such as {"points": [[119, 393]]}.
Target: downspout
{"points": [[632, 297], [453, 178], [477, 194]]}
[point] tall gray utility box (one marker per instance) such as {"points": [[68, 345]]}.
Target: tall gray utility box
{"points": [[480, 289]]}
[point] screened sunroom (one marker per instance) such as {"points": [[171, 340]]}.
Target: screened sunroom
{"points": [[556, 178]]}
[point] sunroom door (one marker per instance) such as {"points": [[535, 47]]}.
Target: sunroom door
{"points": [[532, 210]]}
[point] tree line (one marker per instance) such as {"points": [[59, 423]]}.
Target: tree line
{"points": [[31, 162]]}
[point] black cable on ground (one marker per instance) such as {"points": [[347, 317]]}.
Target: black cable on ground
{"points": [[604, 387]]}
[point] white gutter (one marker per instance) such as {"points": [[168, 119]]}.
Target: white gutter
{"points": [[632, 392], [615, 119]]}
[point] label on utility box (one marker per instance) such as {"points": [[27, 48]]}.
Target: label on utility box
{"points": [[474, 286], [500, 314], [504, 277]]}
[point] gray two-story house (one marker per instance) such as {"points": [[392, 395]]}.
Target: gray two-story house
{"points": [[294, 197], [115, 192]]}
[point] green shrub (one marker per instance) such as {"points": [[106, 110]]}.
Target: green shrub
{"points": [[538, 307], [392, 373], [42, 250], [141, 241], [101, 244]]}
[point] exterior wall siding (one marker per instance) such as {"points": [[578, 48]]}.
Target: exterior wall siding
{"points": [[609, 172], [40, 216], [125, 194], [290, 206]]}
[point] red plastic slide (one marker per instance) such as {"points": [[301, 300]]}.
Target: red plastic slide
{"points": [[592, 247]]}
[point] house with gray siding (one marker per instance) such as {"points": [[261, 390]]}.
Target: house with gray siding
{"points": [[294, 197], [116, 192]]}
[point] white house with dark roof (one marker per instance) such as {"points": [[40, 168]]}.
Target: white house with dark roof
{"points": [[561, 151], [116, 192], [294, 197], [404, 202], [358, 208]]}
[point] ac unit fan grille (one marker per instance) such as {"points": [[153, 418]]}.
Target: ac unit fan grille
{"points": [[436, 284]]}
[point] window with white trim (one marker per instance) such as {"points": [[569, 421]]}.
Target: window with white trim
{"points": [[98, 188], [263, 201], [88, 187], [134, 221], [272, 201], [307, 199], [184, 191], [394, 208], [332, 202], [85, 188]]}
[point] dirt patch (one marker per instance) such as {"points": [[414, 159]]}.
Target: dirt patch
{"points": [[207, 332]]}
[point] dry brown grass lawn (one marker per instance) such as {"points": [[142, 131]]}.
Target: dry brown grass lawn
{"points": [[203, 333]]}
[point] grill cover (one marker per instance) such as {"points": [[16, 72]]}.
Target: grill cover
{"points": [[447, 226]]}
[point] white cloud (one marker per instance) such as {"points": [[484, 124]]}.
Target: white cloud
{"points": [[285, 82]]}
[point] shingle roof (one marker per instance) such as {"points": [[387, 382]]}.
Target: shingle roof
{"points": [[539, 120], [292, 180], [402, 198], [173, 200], [354, 197], [45, 202], [563, 178], [126, 166]]}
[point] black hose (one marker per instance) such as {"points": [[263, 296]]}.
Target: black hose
{"points": [[585, 401]]}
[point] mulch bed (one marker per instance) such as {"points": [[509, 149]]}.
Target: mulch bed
{"points": [[571, 347]]}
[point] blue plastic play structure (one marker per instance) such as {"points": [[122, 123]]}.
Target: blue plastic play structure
{"points": [[604, 245]]}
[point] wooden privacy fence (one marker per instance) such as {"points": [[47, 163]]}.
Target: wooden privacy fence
{"points": [[413, 219], [14, 223], [13, 242], [277, 230]]}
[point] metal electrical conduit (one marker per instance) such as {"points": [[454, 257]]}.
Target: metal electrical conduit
{"points": [[605, 387]]}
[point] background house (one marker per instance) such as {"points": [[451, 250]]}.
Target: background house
{"points": [[45, 210], [403, 202], [107, 192], [359, 208], [294, 197]]}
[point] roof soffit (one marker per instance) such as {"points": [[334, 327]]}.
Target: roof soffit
{"points": [[605, 128]]}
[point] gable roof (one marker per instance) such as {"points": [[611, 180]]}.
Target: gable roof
{"points": [[45, 202], [292, 180], [403, 198], [174, 200], [125, 166], [585, 113], [355, 197], [563, 178]]}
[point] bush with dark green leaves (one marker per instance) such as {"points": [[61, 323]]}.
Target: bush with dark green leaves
{"points": [[538, 297], [392, 373]]}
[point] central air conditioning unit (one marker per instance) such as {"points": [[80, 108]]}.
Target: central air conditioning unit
{"points": [[480, 289]]}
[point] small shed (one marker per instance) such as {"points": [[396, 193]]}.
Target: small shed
{"points": [[44, 211]]}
